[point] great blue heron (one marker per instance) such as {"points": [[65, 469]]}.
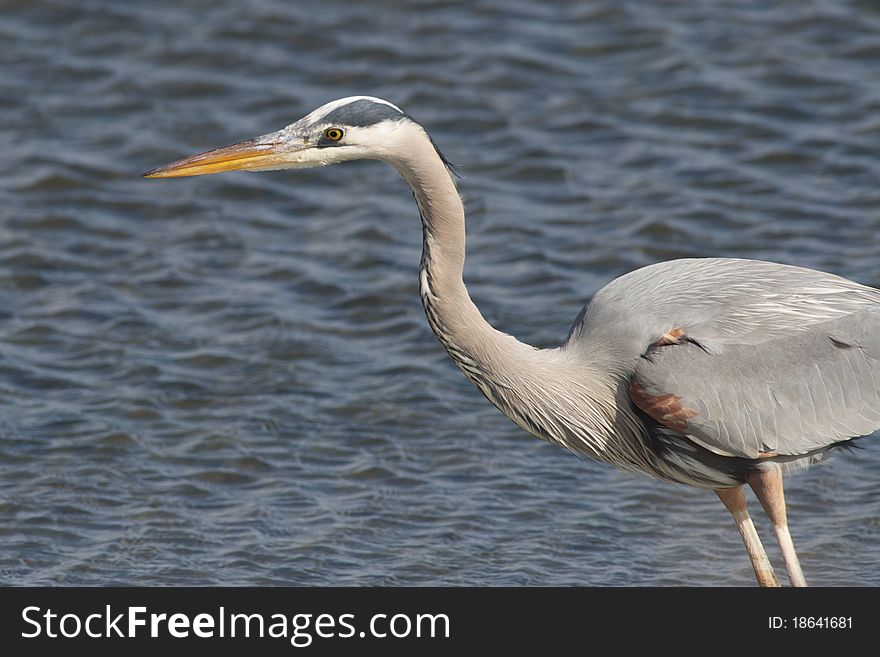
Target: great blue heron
{"points": [[711, 372]]}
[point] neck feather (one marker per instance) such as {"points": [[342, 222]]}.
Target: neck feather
{"points": [[546, 391], [475, 346]]}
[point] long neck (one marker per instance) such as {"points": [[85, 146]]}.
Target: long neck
{"points": [[553, 394], [475, 346]]}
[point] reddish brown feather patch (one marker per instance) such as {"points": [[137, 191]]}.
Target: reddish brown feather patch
{"points": [[666, 409], [672, 337]]}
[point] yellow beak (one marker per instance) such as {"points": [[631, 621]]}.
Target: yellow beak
{"points": [[253, 154]]}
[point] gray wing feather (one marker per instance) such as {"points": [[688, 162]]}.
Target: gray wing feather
{"points": [[776, 358], [791, 393]]}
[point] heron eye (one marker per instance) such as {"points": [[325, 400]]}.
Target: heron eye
{"points": [[333, 134]]}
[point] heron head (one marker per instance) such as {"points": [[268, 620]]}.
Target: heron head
{"points": [[354, 128]]}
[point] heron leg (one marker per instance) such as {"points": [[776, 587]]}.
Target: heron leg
{"points": [[767, 484], [735, 501]]}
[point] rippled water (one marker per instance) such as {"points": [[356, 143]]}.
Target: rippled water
{"points": [[229, 380]]}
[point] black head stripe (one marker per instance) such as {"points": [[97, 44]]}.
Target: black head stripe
{"points": [[362, 113]]}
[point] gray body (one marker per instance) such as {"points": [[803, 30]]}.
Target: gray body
{"points": [[777, 360], [708, 372]]}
